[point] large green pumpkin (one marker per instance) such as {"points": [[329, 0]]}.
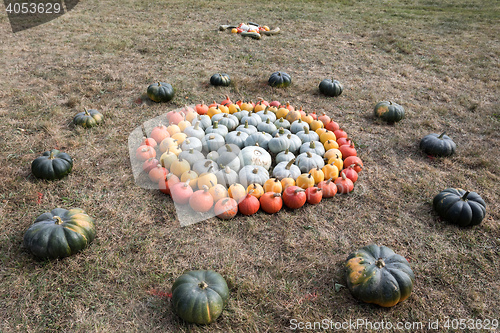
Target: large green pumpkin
{"points": [[220, 79], [460, 207], [330, 87], [88, 118], [280, 80], [199, 296], [52, 165], [389, 111], [438, 145], [59, 233], [160, 92], [377, 275]]}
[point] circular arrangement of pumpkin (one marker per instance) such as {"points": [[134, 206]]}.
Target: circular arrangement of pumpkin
{"points": [[245, 156]]}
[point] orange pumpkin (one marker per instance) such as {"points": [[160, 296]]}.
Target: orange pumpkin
{"points": [[201, 200], [330, 171], [226, 208], [271, 202], [256, 190], [305, 180], [237, 192], [317, 175], [285, 182], [273, 185]]}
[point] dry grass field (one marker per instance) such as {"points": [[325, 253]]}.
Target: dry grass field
{"points": [[439, 59]]}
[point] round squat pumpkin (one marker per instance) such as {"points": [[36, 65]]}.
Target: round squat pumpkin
{"points": [[280, 80], [199, 296], [88, 118], [460, 207], [377, 275], [438, 145], [60, 233], [220, 79], [330, 87], [53, 164], [160, 92], [389, 111]]}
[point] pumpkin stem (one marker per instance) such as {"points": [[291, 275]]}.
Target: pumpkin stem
{"points": [[464, 197], [58, 220], [275, 195], [255, 171], [441, 136], [159, 84], [306, 130], [289, 165], [203, 285], [86, 112], [216, 124], [299, 190], [52, 154], [380, 263]]}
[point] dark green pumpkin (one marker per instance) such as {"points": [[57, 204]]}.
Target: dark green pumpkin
{"points": [[438, 145], [280, 80], [199, 296], [52, 165], [377, 275], [460, 207], [160, 92], [220, 79], [59, 233], [330, 87], [389, 111], [88, 118]]}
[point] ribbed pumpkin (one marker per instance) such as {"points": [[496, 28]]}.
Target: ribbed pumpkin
{"points": [[389, 111], [330, 87], [237, 192], [88, 118], [59, 233], [199, 296], [220, 79], [160, 92], [378, 275], [460, 207], [54, 164], [280, 80], [438, 145]]}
